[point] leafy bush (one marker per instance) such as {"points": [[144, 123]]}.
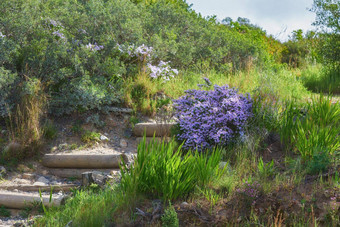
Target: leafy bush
{"points": [[210, 118], [7, 85], [169, 218], [89, 137], [160, 171], [76, 48]]}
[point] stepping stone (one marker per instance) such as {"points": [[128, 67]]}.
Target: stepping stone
{"points": [[33, 188], [76, 173], [87, 161], [18, 200], [151, 129]]}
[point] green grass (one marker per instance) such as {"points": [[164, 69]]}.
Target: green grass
{"points": [[321, 79], [161, 170], [283, 83], [85, 208]]}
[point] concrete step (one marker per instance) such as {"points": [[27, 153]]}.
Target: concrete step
{"points": [[35, 188], [20, 200], [86, 161], [77, 173]]}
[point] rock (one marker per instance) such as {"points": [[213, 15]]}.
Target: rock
{"points": [[123, 143], [185, 205], [12, 148], [28, 176], [39, 184], [3, 172], [104, 138], [44, 172], [94, 177], [44, 180], [21, 181]]}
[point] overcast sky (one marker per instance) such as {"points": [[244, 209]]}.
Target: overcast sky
{"points": [[277, 17]]}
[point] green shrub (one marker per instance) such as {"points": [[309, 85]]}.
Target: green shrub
{"points": [[7, 85], [319, 163], [169, 218], [90, 137], [4, 212], [49, 130]]}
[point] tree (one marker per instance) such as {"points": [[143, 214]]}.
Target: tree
{"points": [[327, 15], [328, 19]]}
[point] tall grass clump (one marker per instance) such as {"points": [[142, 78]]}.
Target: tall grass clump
{"points": [[312, 129], [84, 208], [161, 170], [24, 121], [318, 79]]}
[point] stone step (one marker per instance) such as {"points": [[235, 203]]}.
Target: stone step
{"points": [[77, 173], [151, 129], [20, 200], [35, 188], [86, 161]]}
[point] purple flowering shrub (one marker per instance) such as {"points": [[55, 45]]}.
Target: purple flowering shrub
{"points": [[210, 118]]}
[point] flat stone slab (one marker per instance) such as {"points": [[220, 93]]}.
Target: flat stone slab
{"points": [[151, 129], [79, 161], [17, 200], [33, 188], [77, 173]]}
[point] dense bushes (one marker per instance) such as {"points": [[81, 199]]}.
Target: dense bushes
{"points": [[210, 118], [75, 47]]}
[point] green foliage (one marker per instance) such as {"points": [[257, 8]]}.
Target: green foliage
{"points": [[319, 163], [4, 212], [90, 137], [266, 169], [51, 44], [49, 130], [161, 171], [327, 17], [313, 129], [85, 208], [95, 119], [169, 218], [296, 50], [7, 87]]}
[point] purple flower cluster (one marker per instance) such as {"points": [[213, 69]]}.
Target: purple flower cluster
{"points": [[54, 23], [59, 34], [209, 118], [144, 55], [94, 47], [334, 205], [143, 52], [2, 35], [162, 70], [249, 191]]}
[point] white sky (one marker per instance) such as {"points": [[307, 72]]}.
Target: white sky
{"points": [[277, 17]]}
